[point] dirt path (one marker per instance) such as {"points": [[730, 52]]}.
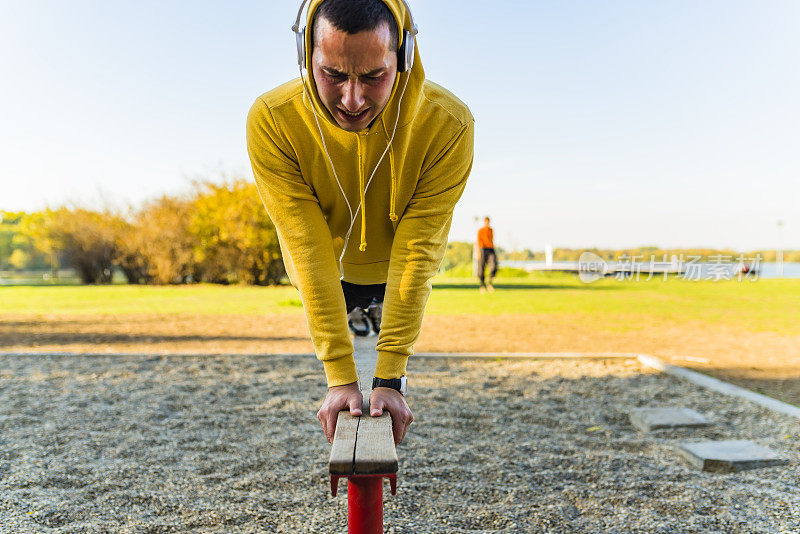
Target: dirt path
{"points": [[762, 361]]}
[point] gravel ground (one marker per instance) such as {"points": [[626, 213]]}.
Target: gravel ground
{"points": [[230, 444]]}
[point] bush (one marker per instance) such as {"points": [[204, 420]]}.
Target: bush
{"points": [[235, 239], [159, 246], [85, 239]]}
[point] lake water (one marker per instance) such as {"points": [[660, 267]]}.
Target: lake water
{"points": [[704, 270]]}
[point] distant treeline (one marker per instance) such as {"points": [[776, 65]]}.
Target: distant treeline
{"points": [[459, 253], [218, 233]]}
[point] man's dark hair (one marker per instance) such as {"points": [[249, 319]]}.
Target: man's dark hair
{"points": [[354, 16]]}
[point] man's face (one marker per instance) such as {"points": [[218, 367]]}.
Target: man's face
{"points": [[354, 73]]}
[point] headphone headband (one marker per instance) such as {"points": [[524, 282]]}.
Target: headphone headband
{"points": [[405, 54]]}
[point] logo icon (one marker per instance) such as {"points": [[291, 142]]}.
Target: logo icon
{"points": [[591, 267]]}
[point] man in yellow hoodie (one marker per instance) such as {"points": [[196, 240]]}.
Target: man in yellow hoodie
{"points": [[361, 143]]}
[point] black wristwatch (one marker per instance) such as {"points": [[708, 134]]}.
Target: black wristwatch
{"points": [[397, 384]]}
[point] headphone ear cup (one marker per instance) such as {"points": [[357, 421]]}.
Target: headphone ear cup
{"points": [[410, 47], [405, 55], [300, 38]]}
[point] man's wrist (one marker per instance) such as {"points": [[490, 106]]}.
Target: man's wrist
{"points": [[398, 384], [351, 385]]}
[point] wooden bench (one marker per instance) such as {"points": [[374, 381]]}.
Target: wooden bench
{"points": [[363, 445], [363, 450]]}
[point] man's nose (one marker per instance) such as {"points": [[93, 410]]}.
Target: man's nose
{"points": [[353, 97]]}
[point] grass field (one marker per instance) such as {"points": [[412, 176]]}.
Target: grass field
{"points": [[747, 332], [769, 305]]}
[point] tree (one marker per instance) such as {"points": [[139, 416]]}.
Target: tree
{"points": [[237, 242], [16, 248], [85, 238], [33, 233], [159, 247], [19, 259], [457, 254]]}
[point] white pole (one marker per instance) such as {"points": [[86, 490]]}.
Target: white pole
{"points": [[779, 258], [548, 256]]}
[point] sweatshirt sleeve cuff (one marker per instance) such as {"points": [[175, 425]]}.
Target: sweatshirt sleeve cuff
{"points": [[340, 371], [390, 364]]}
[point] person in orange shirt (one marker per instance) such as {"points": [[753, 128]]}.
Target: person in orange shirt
{"points": [[487, 257]]}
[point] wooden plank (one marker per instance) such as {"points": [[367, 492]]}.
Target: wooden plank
{"points": [[344, 440], [344, 444], [375, 452], [363, 445]]}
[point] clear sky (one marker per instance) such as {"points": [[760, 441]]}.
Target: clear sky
{"points": [[604, 124]]}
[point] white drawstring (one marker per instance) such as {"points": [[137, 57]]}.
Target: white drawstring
{"points": [[353, 216], [325, 148]]}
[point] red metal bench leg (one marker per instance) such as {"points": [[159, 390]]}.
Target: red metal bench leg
{"points": [[365, 501], [365, 505]]}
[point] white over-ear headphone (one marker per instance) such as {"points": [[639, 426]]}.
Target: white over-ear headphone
{"points": [[405, 54]]}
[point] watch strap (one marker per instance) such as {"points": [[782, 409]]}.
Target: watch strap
{"points": [[393, 383], [397, 384]]}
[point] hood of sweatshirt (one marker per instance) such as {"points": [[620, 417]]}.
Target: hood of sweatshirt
{"points": [[405, 99]]}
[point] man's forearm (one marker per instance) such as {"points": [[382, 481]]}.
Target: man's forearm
{"points": [[417, 250]]}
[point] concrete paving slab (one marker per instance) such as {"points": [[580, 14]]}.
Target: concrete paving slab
{"points": [[647, 419], [729, 456]]}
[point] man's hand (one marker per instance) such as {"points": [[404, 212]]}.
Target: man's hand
{"points": [[339, 398], [392, 401]]}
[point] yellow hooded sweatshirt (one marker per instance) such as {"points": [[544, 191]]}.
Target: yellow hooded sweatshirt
{"points": [[406, 212]]}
